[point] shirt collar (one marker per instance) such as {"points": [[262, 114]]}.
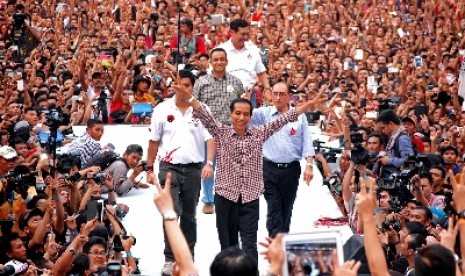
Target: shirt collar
{"points": [[234, 48], [232, 132]]}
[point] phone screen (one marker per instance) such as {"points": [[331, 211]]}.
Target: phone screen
{"points": [[20, 85]]}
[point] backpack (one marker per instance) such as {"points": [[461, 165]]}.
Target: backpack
{"points": [[103, 160]]}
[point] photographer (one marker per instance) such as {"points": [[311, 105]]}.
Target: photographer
{"points": [[119, 170], [191, 46], [399, 146]]}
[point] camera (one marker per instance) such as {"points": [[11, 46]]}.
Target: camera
{"points": [[333, 183], [395, 224], [98, 177], [358, 154], [21, 177]]}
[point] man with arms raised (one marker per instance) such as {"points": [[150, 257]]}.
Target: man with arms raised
{"points": [[239, 177]]}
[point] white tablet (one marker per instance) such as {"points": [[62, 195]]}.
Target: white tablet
{"points": [[311, 253]]}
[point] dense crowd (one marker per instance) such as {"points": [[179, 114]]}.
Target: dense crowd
{"points": [[391, 71]]}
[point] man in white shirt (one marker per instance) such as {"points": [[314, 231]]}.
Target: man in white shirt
{"points": [[244, 61], [178, 140]]}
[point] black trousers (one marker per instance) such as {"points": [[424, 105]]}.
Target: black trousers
{"points": [[185, 191], [233, 219], [281, 186]]}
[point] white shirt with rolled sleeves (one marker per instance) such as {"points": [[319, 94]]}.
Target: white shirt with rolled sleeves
{"points": [[244, 64], [182, 137]]}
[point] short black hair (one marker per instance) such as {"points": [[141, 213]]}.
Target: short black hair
{"points": [[233, 261], [238, 23], [427, 211], [415, 241], [388, 116], [92, 122], [375, 134], [93, 241], [240, 100], [434, 259], [219, 49], [414, 227], [134, 148], [428, 176], [187, 74], [438, 167]]}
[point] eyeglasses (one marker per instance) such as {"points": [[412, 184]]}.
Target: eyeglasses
{"points": [[96, 252]]}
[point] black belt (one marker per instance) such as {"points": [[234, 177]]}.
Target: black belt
{"points": [[188, 165], [281, 165]]}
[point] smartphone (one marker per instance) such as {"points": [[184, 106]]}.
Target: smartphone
{"points": [[114, 269], [371, 115], [304, 250], [420, 110], [400, 32], [393, 70], [346, 65], [95, 209], [358, 54], [133, 13], [118, 15], [418, 62], [20, 85]]}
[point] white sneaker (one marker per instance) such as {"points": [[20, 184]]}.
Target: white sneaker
{"points": [[167, 268]]}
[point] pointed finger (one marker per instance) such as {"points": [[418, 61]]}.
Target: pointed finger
{"points": [[168, 181]]}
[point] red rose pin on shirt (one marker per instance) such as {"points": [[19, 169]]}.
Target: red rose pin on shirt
{"points": [[292, 131], [170, 118]]}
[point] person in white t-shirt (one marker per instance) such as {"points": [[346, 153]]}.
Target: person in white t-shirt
{"points": [[178, 141], [244, 59]]}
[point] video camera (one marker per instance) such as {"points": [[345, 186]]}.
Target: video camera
{"points": [[55, 117], [358, 154], [21, 177], [328, 153], [333, 183], [389, 103]]}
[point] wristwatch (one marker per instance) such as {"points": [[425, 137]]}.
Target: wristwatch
{"points": [[73, 251], [191, 99], [209, 162], [170, 215], [310, 164]]}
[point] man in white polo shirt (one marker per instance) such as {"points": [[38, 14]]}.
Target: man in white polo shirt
{"points": [[179, 142], [244, 61]]}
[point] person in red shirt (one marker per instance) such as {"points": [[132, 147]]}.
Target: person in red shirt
{"points": [[410, 126], [191, 46]]}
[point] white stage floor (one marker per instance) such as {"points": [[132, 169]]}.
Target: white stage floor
{"points": [[144, 221]]}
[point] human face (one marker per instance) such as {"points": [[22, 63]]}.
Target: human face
{"points": [[21, 150], [187, 85], [142, 86], [132, 159], [18, 250], [449, 157], [96, 132], [373, 144], [240, 37], [437, 176], [97, 255], [6, 165], [426, 188], [32, 225], [219, 62], [31, 117], [384, 200], [240, 117], [386, 129], [280, 96], [419, 216], [410, 127]]}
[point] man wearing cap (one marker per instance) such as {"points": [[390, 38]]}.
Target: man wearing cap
{"points": [[120, 168], [244, 58], [410, 126], [190, 46]]}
